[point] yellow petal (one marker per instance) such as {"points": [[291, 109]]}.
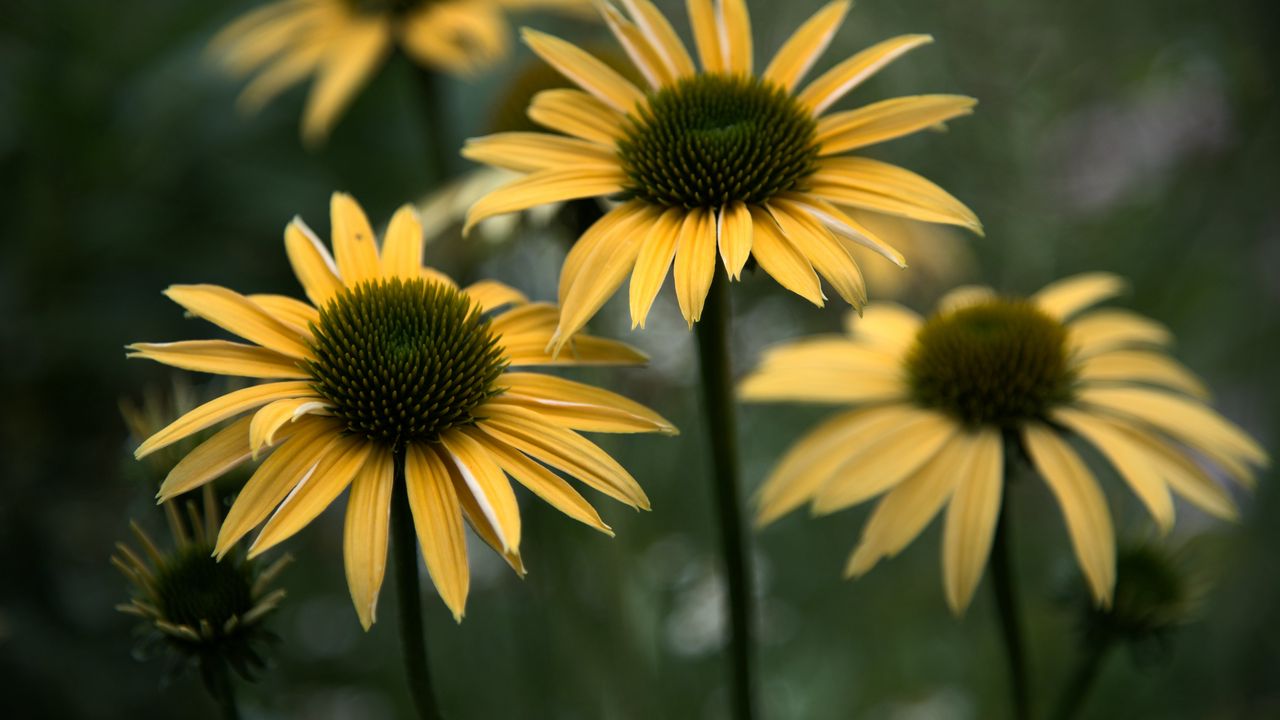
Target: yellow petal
{"points": [[735, 238], [351, 59], [822, 385], [211, 459], [584, 70], [1137, 366], [780, 258], [638, 48], [888, 120], [802, 50], [695, 262], [267, 421], [438, 520], [579, 406], [290, 67], [1128, 459], [353, 241], [653, 262], [275, 477], [965, 296], [316, 491], [844, 226], [1184, 476], [364, 540], [600, 233], [887, 326], [487, 484], [734, 27], [1083, 506], [235, 313], [1105, 330], [576, 113], [219, 409], [220, 358], [476, 517], [491, 295], [662, 37], [543, 483], [893, 458], [562, 449], [1067, 297], [299, 316], [971, 520], [885, 188], [458, 37], [829, 353], [838, 81], [402, 248], [831, 259], [311, 262], [582, 350], [547, 186], [528, 152], [706, 35]]}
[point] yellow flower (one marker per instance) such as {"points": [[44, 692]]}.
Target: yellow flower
{"points": [[939, 401], [342, 42], [394, 372], [720, 158]]}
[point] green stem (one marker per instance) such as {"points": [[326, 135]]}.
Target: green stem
{"points": [[437, 138], [217, 680], [719, 407], [412, 634], [1082, 680], [1002, 576]]}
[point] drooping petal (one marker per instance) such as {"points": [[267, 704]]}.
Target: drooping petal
{"points": [[211, 459], [487, 484], [364, 539], [845, 226], [838, 81], [896, 455], [268, 420], [235, 313], [1138, 366], [695, 262], [653, 262], [351, 59], [600, 233], [547, 186], [888, 120], [543, 483], [802, 50], [580, 406], [222, 408], [221, 357], [585, 70], [831, 259], [971, 521], [1067, 297], [1110, 329], [437, 517], [780, 258], [885, 188], [528, 152], [1127, 458], [576, 113], [1184, 476], [736, 231], [476, 516]]}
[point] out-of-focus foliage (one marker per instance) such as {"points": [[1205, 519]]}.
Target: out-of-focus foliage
{"points": [[1136, 137]]}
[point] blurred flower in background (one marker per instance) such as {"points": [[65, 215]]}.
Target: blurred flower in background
{"points": [[394, 375], [343, 42], [717, 158], [947, 402]]}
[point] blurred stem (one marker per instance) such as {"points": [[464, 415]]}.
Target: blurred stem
{"points": [[1006, 603], [217, 680], [412, 633], [718, 404], [1082, 679], [434, 108]]}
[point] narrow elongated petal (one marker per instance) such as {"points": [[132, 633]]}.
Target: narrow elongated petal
{"points": [[1138, 366], [829, 353], [581, 350], [221, 357], [402, 248], [287, 69], [1083, 506], [822, 385], [580, 406], [695, 262], [267, 421], [888, 326], [896, 456], [1184, 476], [235, 313], [299, 316], [780, 258], [488, 485], [706, 35], [1104, 330], [831, 259], [971, 521], [643, 55], [844, 226], [661, 36], [653, 262], [1127, 458], [803, 49], [491, 295], [353, 241], [476, 516], [312, 263], [547, 186], [211, 459], [734, 27], [222, 408], [1067, 297], [576, 113], [315, 492], [736, 231], [350, 61], [585, 70], [838, 81], [535, 151], [543, 483], [364, 540], [437, 517], [885, 188], [600, 233], [888, 120]]}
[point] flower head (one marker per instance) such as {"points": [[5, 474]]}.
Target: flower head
{"points": [[716, 160], [940, 400], [393, 371], [204, 610], [343, 42]]}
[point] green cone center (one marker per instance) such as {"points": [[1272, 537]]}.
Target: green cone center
{"points": [[711, 140], [1000, 362], [404, 360], [193, 586]]}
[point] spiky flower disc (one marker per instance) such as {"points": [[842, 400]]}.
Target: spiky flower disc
{"points": [[717, 160], [933, 402], [394, 371]]}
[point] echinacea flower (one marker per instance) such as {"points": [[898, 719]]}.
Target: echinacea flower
{"points": [[207, 612], [343, 42], [937, 401], [394, 374], [716, 160]]}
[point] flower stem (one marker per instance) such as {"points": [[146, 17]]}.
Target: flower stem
{"points": [[1006, 603], [718, 401], [217, 680], [412, 634], [1082, 679]]}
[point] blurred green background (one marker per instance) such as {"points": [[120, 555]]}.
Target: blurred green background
{"points": [[1138, 137]]}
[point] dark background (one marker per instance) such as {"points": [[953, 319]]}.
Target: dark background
{"points": [[1137, 137]]}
